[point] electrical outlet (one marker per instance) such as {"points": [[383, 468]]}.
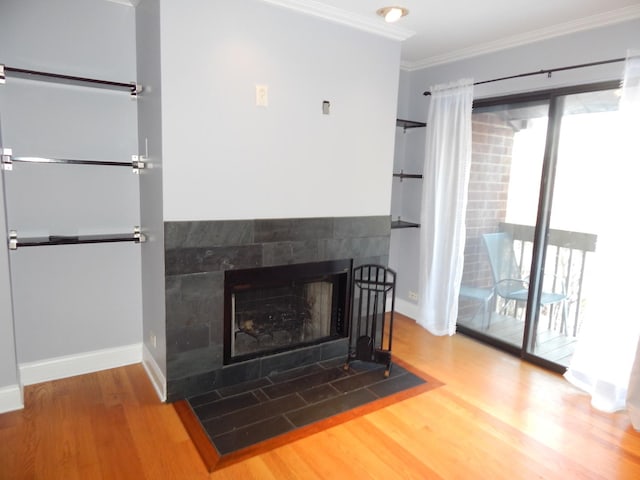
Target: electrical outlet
{"points": [[153, 340], [413, 296]]}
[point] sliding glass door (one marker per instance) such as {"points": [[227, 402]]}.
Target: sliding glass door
{"points": [[584, 221], [506, 167], [533, 219]]}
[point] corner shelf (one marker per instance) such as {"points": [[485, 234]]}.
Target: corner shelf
{"points": [[406, 125], [403, 175], [396, 224], [409, 124]]}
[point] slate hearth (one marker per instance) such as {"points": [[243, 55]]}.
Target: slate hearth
{"points": [[197, 253], [266, 410]]}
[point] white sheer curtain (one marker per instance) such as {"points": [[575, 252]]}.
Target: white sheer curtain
{"points": [[444, 201], [607, 345], [630, 106]]}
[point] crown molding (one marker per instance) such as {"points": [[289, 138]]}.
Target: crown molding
{"points": [[587, 23], [372, 25], [128, 3]]}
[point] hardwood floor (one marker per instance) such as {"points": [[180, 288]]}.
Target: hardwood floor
{"points": [[495, 418]]}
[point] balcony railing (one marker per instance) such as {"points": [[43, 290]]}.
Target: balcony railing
{"points": [[565, 266]]}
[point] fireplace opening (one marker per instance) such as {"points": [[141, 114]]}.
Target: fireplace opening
{"points": [[273, 309]]}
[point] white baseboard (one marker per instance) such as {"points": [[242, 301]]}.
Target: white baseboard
{"points": [[79, 364], [408, 309], [11, 398], [154, 373]]}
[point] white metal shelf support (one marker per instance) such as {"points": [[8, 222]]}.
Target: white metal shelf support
{"points": [[6, 162], [137, 162]]}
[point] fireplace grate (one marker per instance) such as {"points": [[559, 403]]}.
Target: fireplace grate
{"points": [[270, 310]]}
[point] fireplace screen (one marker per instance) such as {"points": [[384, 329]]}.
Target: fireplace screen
{"points": [[279, 308]]}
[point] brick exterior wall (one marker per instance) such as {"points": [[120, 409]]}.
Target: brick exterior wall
{"points": [[488, 192]]}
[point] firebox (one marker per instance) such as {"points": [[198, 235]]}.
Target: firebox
{"points": [[273, 309]]}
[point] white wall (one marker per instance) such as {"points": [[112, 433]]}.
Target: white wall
{"points": [[578, 48], [225, 158], [71, 299]]}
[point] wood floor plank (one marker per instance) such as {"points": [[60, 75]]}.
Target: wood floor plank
{"points": [[381, 445], [495, 417], [296, 461]]}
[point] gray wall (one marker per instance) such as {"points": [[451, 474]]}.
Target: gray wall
{"points": [[150, 143], [583, 47], [8, 362], [225, 158], [71, 299]]}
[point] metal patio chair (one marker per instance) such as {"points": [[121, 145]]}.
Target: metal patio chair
{"points": [[508, 282]]}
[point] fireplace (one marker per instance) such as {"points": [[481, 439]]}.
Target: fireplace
{"points": [[198, 255], [269, 310]]}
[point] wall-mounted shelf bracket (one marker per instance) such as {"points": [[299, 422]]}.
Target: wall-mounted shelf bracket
{"points": [[137, 163], [7, 162], [13, 240], [138, 236]]}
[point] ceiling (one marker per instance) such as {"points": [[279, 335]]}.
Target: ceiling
{"points": [[437, 31]]}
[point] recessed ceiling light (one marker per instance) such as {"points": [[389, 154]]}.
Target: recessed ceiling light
{"points": [[392, 14]]}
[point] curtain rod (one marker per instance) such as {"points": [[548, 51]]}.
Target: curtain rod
{"points": [[548, 71]]}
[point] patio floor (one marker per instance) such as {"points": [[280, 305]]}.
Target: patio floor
{"points": [[550, 344]]}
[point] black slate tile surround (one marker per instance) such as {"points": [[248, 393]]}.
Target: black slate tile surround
{"points": [[197, 253], [238, 417]]}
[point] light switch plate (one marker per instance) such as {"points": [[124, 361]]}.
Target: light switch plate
{"points": [[262, 96]]}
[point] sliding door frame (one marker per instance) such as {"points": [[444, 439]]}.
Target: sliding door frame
{"points": [[555, 98]]}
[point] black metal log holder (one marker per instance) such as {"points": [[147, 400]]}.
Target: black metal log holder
{"points": [[371, 329]]}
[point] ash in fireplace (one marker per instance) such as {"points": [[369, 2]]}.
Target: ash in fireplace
{"points": [[272, 318], [280, 317], [271, 325]]}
